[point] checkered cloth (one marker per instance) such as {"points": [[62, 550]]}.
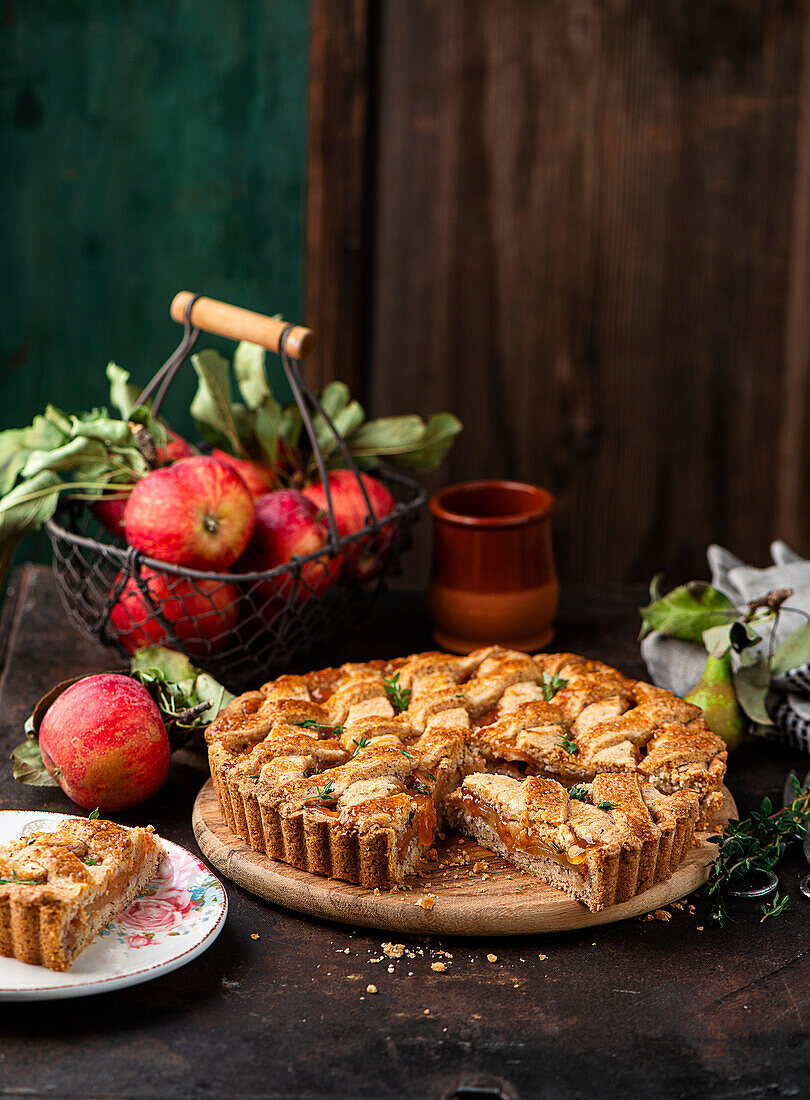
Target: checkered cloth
{"points": [[678, 666]]}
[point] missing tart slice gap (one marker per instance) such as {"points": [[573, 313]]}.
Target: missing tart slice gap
{"points": [[59, 889], [336, 773]]}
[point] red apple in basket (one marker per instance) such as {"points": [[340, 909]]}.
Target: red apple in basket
{"points": [[202, 612], [105, 743], [351, 512], [109, 511], [288, 524], [175, 449], [197, 513], [258, 479]]}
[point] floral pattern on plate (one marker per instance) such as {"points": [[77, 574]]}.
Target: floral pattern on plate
{"points": [[174, 903]]}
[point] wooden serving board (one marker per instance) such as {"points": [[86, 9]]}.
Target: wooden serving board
{"points": [[499, 900]]}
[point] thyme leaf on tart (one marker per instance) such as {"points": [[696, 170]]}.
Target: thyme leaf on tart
{"points": [[254, 777], [90, 861], [311, 724], [551, 685], [361, 743], [94, 815], [327, 791], [755, 844], [570, 746], [579, 793], [404, 753], [605, 806], [15, 880], [398, 697]]}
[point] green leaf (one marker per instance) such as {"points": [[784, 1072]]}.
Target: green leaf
{"points": [[388, 435], [439, 437], [71, 456], [23, 510], [752, 684], [793, 652], [29, 767], [211, 406], [718, 640], [267, 427], [334, 398], [251, 376], [689, 610], [123, 394], [345, 420], [173, 666]]}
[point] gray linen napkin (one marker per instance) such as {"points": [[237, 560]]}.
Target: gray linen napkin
{"points": [[678, 666]]}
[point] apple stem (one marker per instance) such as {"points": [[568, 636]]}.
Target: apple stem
{"points": [[211, 525]]}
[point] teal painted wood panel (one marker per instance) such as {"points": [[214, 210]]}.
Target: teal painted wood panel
{"points": [[147, 146]]}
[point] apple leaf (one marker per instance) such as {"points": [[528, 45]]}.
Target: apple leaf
{"points": [[267, 427], [751, 684], [24, 509], [689, 610], [29, 767], [211, 406], [123, 393], [793, 652], [718, 640], [251, 375], [440, 434]]}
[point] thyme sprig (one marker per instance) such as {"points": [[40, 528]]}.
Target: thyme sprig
{"points": [[551, 685], [756, 844], [570, 746], [15, 880], [399, 697], [361, 743], [778, 906], [327, 791], [311, 724], [578, 793]]}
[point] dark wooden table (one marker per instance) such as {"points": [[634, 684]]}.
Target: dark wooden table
{"points": [[634, 1009]]}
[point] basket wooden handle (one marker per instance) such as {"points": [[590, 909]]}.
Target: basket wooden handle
{"points": [[242, 324]]}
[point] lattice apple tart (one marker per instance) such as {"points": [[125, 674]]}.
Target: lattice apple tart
{"points": [[59, 889], [591, 781]]}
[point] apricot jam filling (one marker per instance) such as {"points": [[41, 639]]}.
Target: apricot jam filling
{"points": [[515, 834]]}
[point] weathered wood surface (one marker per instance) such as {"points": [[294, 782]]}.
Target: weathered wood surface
{"points": [[592, 242], [626, 1010], [499, 902], [337, 282]]}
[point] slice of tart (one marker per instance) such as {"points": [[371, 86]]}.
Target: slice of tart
{"points": [[600, 844], [59, 889]]}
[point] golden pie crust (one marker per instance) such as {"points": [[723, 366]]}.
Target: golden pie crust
{"points": [[59, 889], [349, 772]]}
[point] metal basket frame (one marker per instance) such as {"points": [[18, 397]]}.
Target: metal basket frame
{"points": [[288, 614]]}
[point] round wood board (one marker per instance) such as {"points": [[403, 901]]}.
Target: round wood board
{"points": [[499, 900]]}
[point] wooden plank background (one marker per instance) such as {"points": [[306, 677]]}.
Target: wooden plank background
{"points": [[147, 147], [591, 240]]}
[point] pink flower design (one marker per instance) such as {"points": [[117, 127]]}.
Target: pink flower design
{"points": [[139, 941], [150, 915], [179, 898]]}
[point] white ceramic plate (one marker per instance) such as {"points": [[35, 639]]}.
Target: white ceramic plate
{"points": [[179, 915]]}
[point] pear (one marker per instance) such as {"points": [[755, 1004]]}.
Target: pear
{"points": [[714, 694]]}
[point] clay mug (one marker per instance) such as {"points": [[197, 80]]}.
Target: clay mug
{"points": [[493, 578]]}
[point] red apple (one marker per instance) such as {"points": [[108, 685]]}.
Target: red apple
{"points": [[105, 743], [202, 612], [258, 479], [287, 524], [176, 448], [110, 512], [196, 512], [351, 514]]}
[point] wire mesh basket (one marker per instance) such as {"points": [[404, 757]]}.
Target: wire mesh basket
{"points": [[238, 626]]}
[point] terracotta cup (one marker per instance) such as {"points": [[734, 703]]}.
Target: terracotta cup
{"points": [[493, 569]]}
